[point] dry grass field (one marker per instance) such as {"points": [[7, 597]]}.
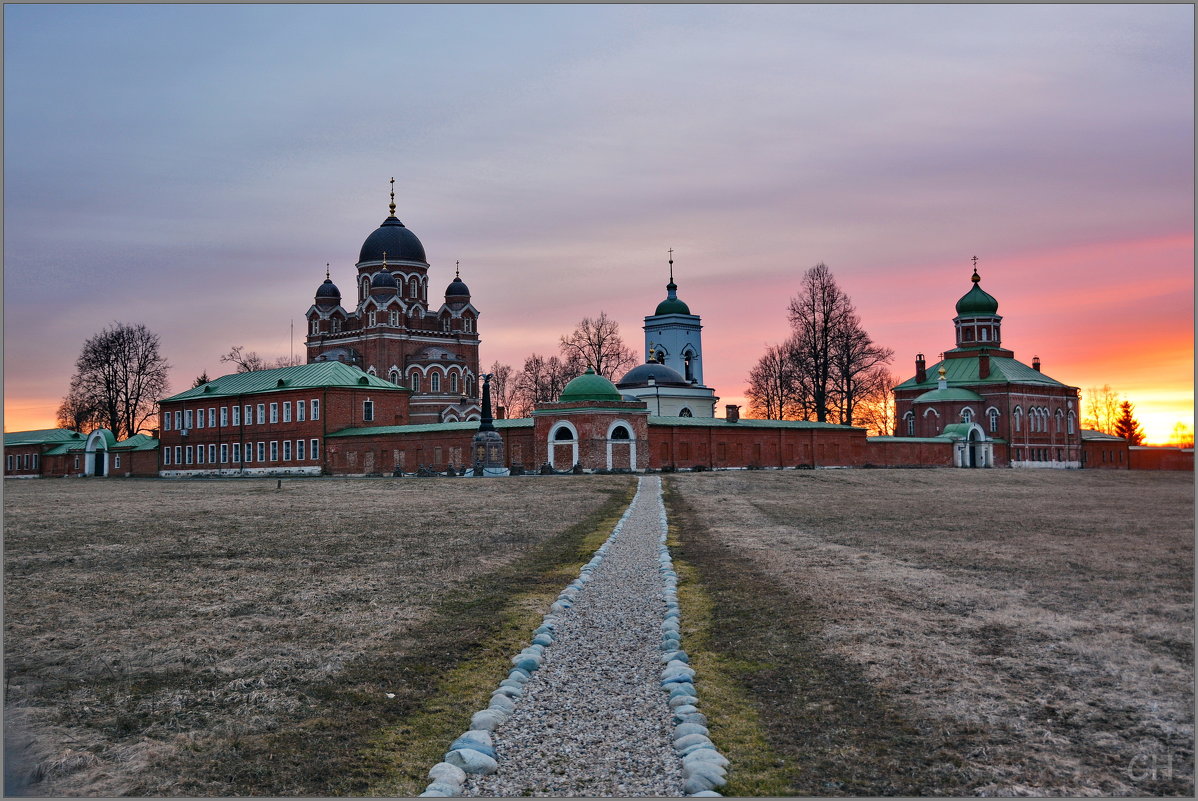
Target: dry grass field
{"points": [[955, 632], [228, 637]]}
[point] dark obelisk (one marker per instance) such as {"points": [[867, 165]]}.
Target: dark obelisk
{"points": [[487, 445]]}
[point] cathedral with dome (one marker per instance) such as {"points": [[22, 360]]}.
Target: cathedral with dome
{"points": [[392, 330]]}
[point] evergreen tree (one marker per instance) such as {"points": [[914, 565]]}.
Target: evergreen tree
{"points": [[1126, 426], [201, 380]]}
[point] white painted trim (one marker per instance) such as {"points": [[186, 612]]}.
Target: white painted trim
{"points": [[573, 442]]}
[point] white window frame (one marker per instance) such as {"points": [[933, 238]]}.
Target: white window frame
{"points": [[299, 450], [286, 450], [249, 414], [212, 417], [166, 456], [236, 453], [261, 452], [274, 412], [224, 453], [178, 454], [237, 415], [414, 382], [314, 451], [434, 382], [188, 455], [188, 418], [166, 421], [212, 453], [316, 408], [224, 416], [261, 414], [367, 411], [286, 411], [300, 408], [116, 460]]}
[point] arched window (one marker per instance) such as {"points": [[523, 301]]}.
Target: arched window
{"points": [[910, 418], [685, 412], [689, 367], [453, 383], [414, 380], [620, 432], [967, 415], [1017, 416], [563, 434], [435, 382], [1060, 417], [993, 415], [1072, 422], [393, 377], [985, 334], [371, 371]]}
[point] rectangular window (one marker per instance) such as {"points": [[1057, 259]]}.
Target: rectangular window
{"points": [[286, 411], [8, 463], [249, 415], [315, 408], [236, 452], [315, 326], [199, 418], [188, 455], [274, 413], [178, 418], [261, 451], [76, 462], [187, 419], [166, 456], [261, 414], [299, 447], [166, 421], [116, 460], [212, 454], [224, 415], [274, 451], [286, 450], [236, 415], [212, 418], [367, 411], [224, 453], [25, 461], [300, 408], [37, 457], [315, 449], [248, 452], [178, 454]]}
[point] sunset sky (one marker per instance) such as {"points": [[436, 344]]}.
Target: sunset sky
{"points": [[193, 168]]}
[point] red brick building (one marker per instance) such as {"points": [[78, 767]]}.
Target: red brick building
{"points": [[999, 411], [393, 330], [272, 422]]}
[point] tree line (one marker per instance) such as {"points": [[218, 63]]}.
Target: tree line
{"points": [[829, 369]]}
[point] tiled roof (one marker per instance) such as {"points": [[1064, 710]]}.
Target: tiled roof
{"points": [[305, 376], [965, 371], [42, 436], [430, 428], [711, 422]]}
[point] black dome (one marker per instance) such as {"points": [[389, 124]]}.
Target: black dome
{"points": [[384, 280], [394, 239], [328, 290], [457, 289], [639, 376]]}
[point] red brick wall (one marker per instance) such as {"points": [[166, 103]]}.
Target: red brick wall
{"points": [[439, 450], [23, 459], [897, 454], [592, 428], [1156, 458], [1109, 455], [725, 445]]}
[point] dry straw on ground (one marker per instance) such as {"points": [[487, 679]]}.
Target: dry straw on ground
{"points": [[958, 632], [151, 627]]}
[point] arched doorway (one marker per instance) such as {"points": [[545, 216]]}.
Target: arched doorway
{"points": [[621, 447], [563, 446], [95, 452]]}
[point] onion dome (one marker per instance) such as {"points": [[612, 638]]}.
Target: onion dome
{"points": [[384, 282], [663, 376], [975, 301], [327, 294], [672, 305], [457, 289], [392, 238], [589, 387]]}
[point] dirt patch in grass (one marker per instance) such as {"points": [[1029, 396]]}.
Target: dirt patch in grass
{"points": [[229, 638], [957, 632]]}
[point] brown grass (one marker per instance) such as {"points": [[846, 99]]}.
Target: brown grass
{"points": [[957, 632], [228, 637]]}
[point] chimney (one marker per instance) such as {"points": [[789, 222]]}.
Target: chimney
{"points": [[732, 413], [921, 369], [983, 365], [1036, 363], [500, 412]]}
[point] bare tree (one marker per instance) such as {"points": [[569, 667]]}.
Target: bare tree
{"points": [[542, 380], [1101, 409], [78, 411], [816, 314], [877, 408], [1182, 436], [856, 362], [596, 343], [503, 387], [775, 386], [249, 361], [122, 374]]}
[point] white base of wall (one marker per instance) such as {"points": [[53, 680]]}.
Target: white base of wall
{"points": [[235, 472], [27, 475], [1048, 465]]}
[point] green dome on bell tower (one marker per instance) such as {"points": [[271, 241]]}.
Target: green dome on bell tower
{"points": [[976, 301]]}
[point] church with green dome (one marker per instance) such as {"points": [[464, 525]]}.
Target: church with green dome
{"points": [[997, 410]]}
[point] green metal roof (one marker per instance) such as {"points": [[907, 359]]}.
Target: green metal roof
{"points": [[317, 375], [965, 372], [672, 306], [41, 437], [431, 428], [720, 422], [138, 442], [948, 394], [941, 437], [976, 301], [590, 387]]}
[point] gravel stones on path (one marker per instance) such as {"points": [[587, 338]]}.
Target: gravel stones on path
{"points": [[593, 717]]}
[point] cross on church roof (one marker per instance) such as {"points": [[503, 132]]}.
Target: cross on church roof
{"points": [[392, 196]]}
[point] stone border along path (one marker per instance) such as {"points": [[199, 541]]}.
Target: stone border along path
{"points": [[586, 711]]}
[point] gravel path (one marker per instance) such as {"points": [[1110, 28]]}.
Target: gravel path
{"points": [[593, 720]]}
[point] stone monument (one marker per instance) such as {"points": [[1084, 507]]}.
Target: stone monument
{"points": [[487, 445]]}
